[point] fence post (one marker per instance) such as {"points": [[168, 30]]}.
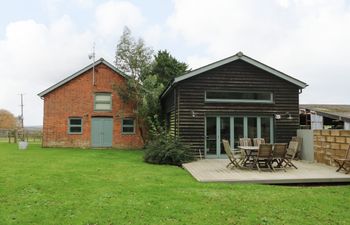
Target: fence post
{"points": [[15, 136]]}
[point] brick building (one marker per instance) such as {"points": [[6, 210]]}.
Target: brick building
{"points": [[84, 110]]}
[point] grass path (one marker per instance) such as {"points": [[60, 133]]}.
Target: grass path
{"points": [[73, 186]]}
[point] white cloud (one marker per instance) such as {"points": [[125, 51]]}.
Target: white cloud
{"points": [[307, 39], [34, 56], [54, 8], [85, 3], [196, 61], [283, 3], [153, 35], [112, 16]]}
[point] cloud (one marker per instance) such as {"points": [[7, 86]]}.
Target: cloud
{"points": [[196, 61], [153, 35], [112, 16], [85, 3], [307, 39], [33, 57], [224, 27]]}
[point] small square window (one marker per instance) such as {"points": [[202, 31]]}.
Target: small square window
{"points": [[75, 121], [103, 102], [75, 126], [128, 126]]}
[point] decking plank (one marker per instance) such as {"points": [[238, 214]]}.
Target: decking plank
{"points": [[214, 170]]}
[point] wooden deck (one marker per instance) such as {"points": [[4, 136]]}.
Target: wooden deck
{"points": [[214, 170]]}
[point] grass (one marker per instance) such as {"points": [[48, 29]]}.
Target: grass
{"points": [[73, 186]]}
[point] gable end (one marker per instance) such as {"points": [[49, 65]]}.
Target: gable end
{"points": [[71, 77], [238, 56]]}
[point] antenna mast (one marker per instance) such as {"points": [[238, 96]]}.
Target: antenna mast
{"points": [[92, 56]]}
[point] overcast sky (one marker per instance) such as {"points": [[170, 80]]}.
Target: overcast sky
{"points": [[42, 42]]}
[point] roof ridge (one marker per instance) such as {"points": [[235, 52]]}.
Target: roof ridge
{"points": [[81, 71], [237, 56]]}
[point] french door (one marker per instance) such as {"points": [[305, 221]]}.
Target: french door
{"points": [[232, 128]]}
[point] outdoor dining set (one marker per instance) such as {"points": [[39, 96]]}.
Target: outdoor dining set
{"points": [[260, 155]]}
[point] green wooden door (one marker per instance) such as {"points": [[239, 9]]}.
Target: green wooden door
{"points": [[101, 132]]}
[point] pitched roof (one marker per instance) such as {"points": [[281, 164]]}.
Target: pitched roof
{"points": [[340, 112], [83, 70], [238, 56]]}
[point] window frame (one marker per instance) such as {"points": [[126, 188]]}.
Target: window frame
{"points": [[270, 101], [103, 102], [133, 125], [75, 125]]}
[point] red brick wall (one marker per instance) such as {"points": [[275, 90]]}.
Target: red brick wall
{"points": [[76, 99], [329, 144]]}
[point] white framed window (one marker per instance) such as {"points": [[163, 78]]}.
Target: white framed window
{"points": [[128, 126], [75, 125], [103, 102], [236, 96]]}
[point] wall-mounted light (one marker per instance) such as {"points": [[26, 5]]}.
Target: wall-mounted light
{"points": [[193, 114], [287, 115], [119, 114]]}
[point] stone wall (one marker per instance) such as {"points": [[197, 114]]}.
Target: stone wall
{"points": [[329, 144]]}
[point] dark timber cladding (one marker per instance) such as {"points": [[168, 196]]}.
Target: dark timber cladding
{"points": [[187, 99]]}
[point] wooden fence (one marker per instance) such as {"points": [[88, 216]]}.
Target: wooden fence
{"points": [[13, 136]]}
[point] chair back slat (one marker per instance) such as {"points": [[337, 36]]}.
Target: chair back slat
{"points": [[300, 143], [230, 155], [264, 151], [258, 141], [279, 150], [227, 148], [347, 156], [245, 142], [292, 149]]}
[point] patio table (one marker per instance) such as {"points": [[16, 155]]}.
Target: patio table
{"points": [[249, 154]]}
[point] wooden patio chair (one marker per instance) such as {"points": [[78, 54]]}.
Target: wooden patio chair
{"points": [[278, 154], [290, 154], [235, 162], [264, 156], [245, 142], [343, 161], [300, 143], [258, 141]]}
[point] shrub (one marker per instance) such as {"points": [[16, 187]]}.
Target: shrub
{"points": [[163, 148]]}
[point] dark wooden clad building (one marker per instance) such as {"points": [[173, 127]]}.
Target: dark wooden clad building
{"points": [[229, 99]]}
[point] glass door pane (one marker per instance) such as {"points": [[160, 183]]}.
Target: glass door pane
{"points": [[238, 130], [211, 136], [265, 129], [252, 127], [224, 132]]}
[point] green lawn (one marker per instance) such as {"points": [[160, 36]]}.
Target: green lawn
{"points": [[73, 186]]}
